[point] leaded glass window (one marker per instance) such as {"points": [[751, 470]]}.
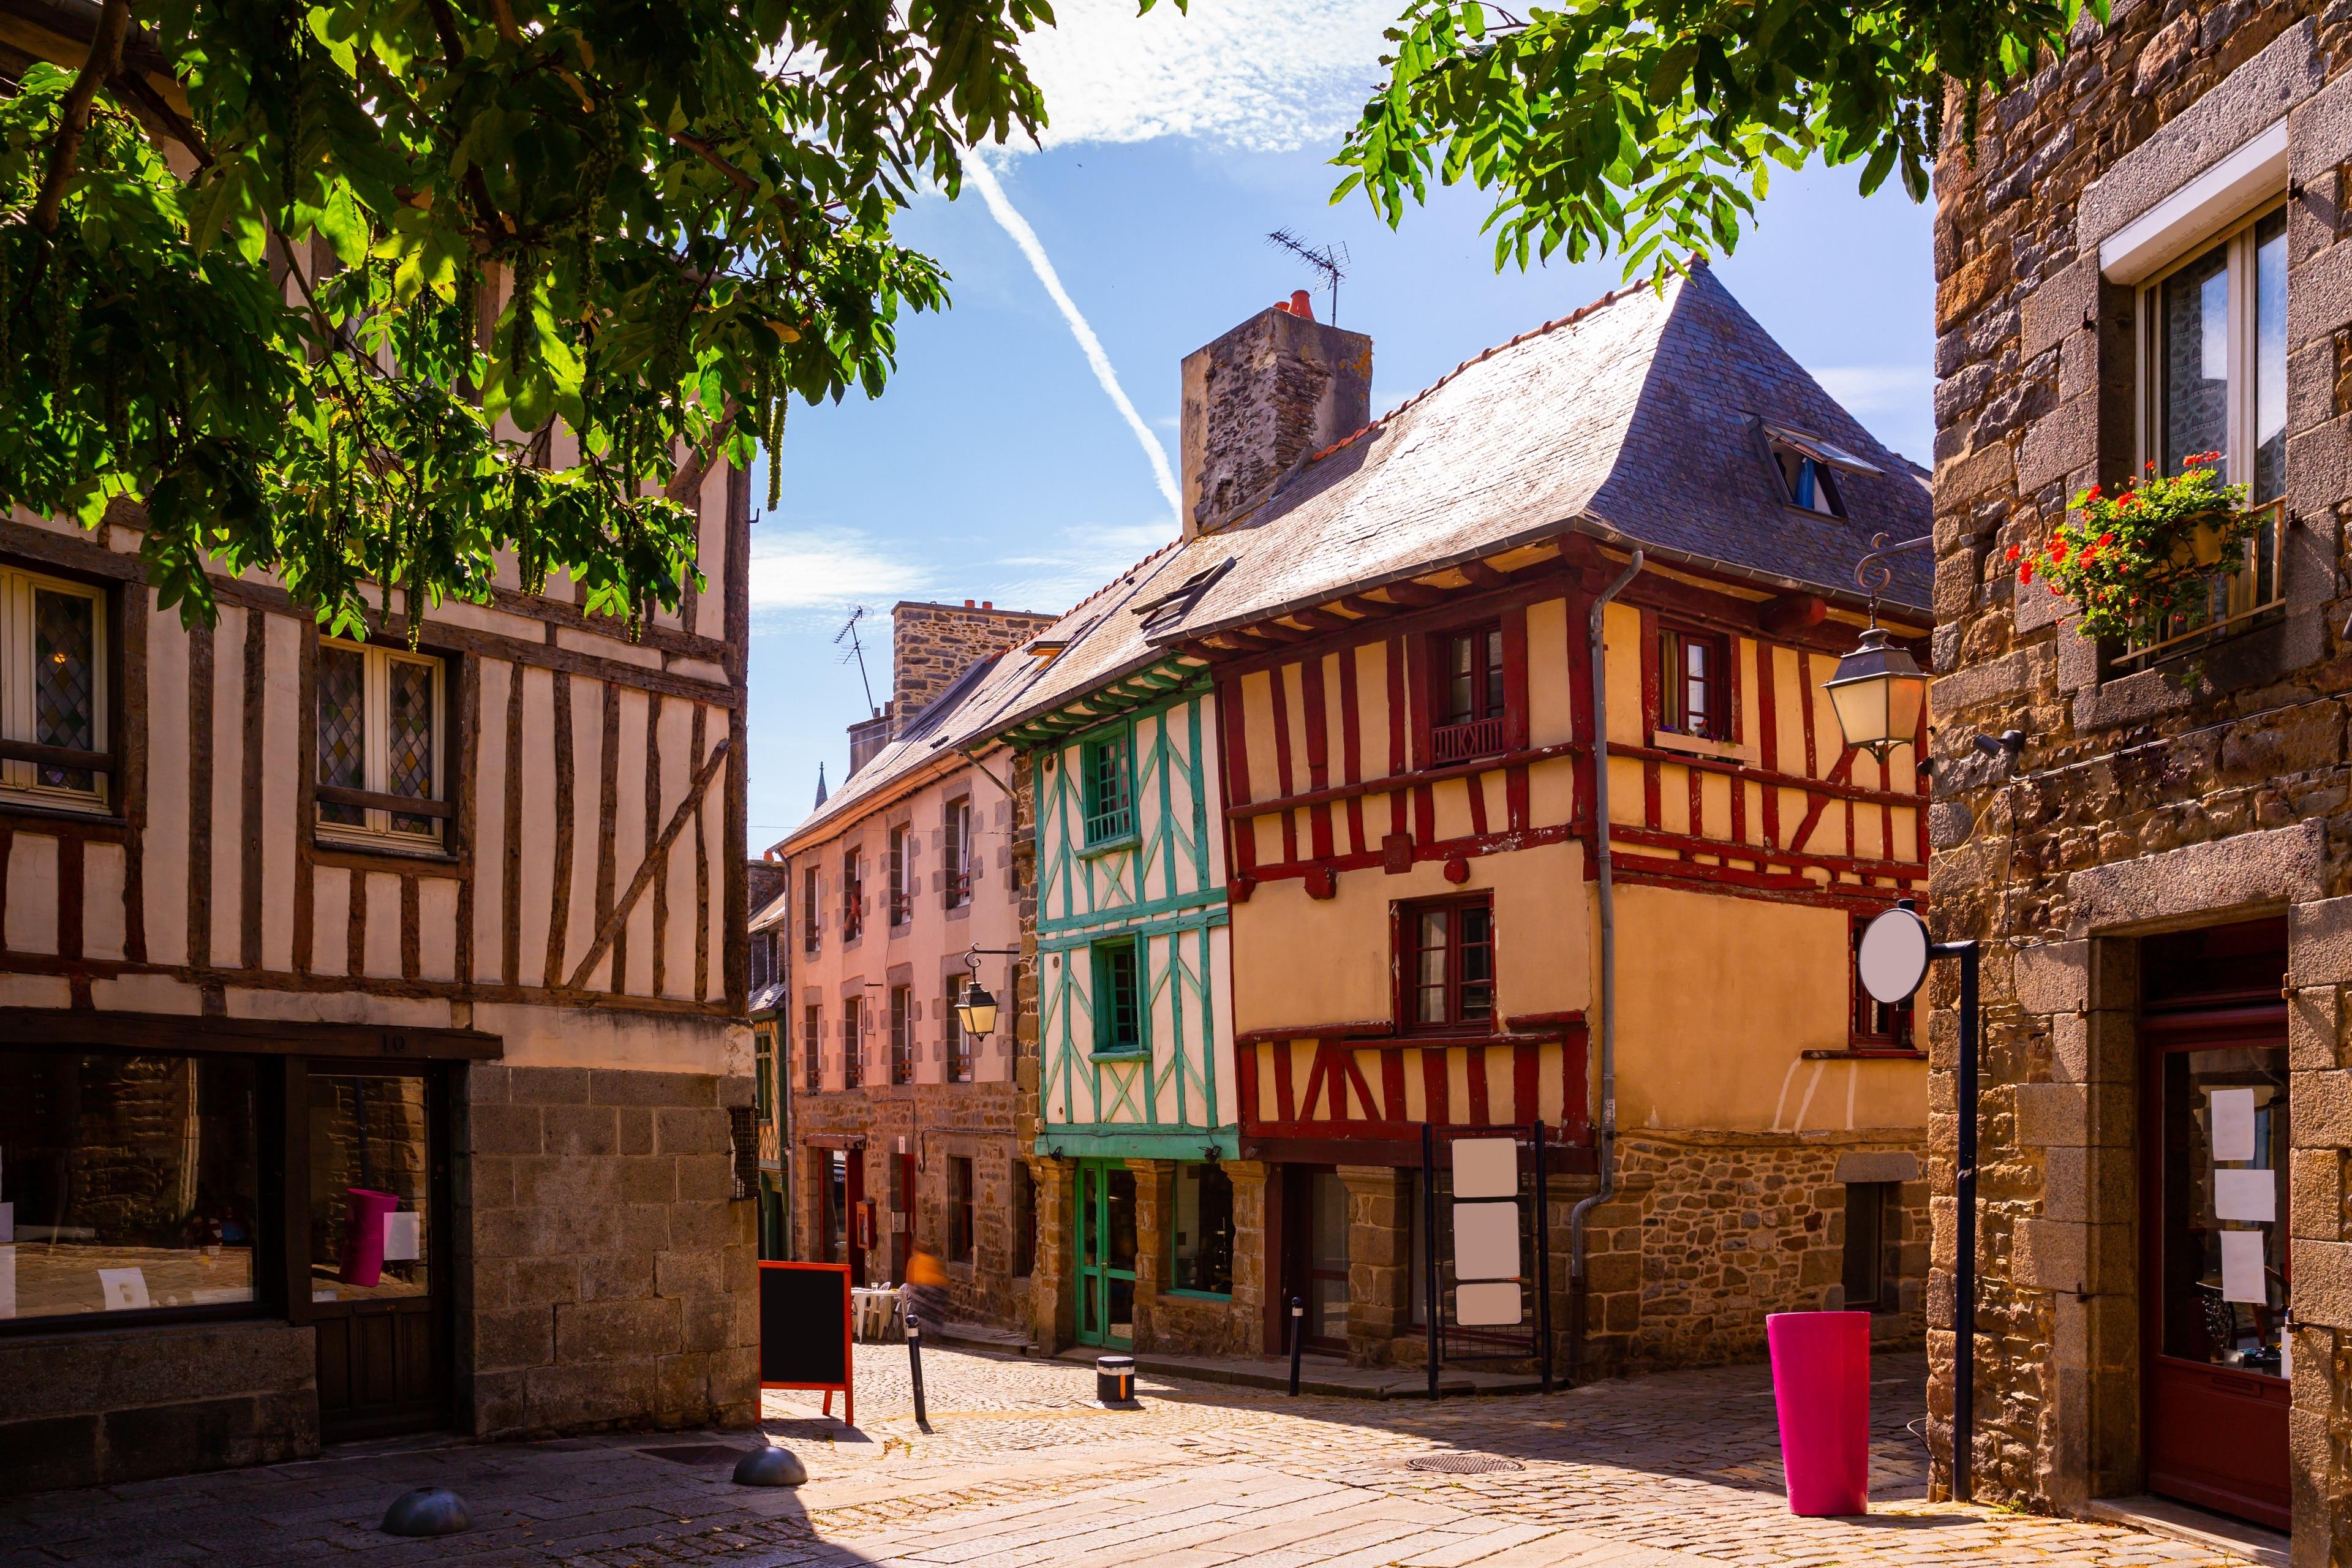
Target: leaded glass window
{"points": [[380, 717], [53, 675]]}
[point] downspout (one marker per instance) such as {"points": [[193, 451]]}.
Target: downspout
{"points": [[1605, 1139]]}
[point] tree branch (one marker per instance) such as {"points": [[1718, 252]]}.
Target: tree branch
{"points": [[104, 59]]}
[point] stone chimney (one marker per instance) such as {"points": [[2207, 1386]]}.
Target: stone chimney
{"points": [[931, 646], [1276, 389]]}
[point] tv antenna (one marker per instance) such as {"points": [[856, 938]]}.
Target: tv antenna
{"points": [[1330, 262], [856, 651]]}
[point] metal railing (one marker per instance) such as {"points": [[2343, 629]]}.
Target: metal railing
{"points": [[1460, 743], [2231, 598]]}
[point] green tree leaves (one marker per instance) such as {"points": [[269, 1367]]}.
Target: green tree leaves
{"points": [[333, 287], [1649, 128]]}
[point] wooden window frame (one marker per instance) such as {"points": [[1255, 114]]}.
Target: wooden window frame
{"points": [[1405, 945], [956, 1045], [813, 1047], [956, 858], [1450, 741], [1100, 957], [1789, 466], [1670, 714], [763, 1071], [853, 1042], [902, 901], [377, 833], [853, 895], [902, 1034], [1108, 827], [1874, 1028], [1873, 1211], [21, 755], [812, 911]]}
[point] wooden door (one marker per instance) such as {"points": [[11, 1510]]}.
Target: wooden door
{"points": [[2215, 1283], [368, 1180], [1105, 1280], [1315, 1254]]}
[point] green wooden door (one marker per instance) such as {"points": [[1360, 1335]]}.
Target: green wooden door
{"points": [[1106, 1307]]}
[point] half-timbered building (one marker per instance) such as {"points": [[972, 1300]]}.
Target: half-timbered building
{"points": [[1399, 618], [907, 1129], [1125, 937]]}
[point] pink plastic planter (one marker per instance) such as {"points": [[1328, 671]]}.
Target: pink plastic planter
{"points": [[363, 1216], [1821, 1384]]}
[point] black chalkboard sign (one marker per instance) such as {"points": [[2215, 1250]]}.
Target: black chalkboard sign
{"points": [[804, 1331]]}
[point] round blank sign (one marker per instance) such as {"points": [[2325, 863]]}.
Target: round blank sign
{"points": [[1893, 958]]}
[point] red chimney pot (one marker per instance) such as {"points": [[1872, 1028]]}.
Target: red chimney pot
{"points": [[968, 605], [988, 604], [1302, 304]]}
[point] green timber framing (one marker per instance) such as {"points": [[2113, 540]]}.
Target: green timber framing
{"points": [[1161, 888]]}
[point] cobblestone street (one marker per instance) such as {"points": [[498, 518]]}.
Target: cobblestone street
{"points": [[1022, 1467]]}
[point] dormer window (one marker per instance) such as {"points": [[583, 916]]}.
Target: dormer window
{"points": [[1810, 469], [1810, 483]]}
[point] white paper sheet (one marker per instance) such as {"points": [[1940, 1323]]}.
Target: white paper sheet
{"points": [[125, 1290], [1486, 1168], [2234, 1124], [7, 1281], [401, 1241], [1486, 1241], [1487, 1306], [2241, 1266], [2246, 1194]]}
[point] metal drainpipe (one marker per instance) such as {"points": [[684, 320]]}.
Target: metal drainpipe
{"points": [[1606, 1141]]}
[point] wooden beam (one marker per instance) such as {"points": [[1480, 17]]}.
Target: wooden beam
{"points": [[1480, 575], [1367, 609], [656, 859], [1325, 621], [1413, 595]]}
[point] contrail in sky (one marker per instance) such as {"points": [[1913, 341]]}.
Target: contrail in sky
{"points": [[983, 177]]}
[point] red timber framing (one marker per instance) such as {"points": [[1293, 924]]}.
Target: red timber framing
{"points": [[1781, 813]]}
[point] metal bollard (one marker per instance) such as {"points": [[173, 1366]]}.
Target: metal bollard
{"points": [[1298, 1340], [915, 1365]]}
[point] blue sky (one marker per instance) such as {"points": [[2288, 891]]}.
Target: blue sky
{"points": [[997, 467]]}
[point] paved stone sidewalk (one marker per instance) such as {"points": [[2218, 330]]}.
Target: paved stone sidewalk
{"points": [[1023, 1467]]}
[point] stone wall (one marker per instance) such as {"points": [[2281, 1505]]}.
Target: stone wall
{"points": [[605, 1275], [2188, 795], [98, 1408], [931, 645]]}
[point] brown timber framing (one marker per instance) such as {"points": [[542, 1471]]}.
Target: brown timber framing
{"points": [[182, 1031], [656, 859]]}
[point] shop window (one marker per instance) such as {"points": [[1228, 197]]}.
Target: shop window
{"points": [[812, 913], [1118, 1000], [853, 1021], [902, 1034], [1448, 965], [1873, 1224], [1109, 800], [1204, 1229], [902, 899], [1877, 1024], [382, 714], [957, 875], [959, 1044], [959, 1209], [1024, 1220], [52, 693], [128, 1183], [853, 896], [1467, 689], [813, 1047], [2214, 343], [1694, 686]]}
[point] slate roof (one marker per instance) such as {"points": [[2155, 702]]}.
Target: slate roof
{"points": [[1638, 419]]}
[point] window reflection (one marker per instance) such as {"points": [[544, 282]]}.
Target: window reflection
{"points": [[127, 1183], [371, 1195], [2225, 1301]]}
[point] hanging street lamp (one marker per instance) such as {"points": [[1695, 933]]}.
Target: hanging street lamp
{"points": [[1879, 691], [976, 1008]]}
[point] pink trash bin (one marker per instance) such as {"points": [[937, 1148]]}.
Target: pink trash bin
{"points": [[363, 1217], [1821, 1385]]}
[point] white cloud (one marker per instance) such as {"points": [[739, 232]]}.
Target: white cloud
{"points": [[1878, 388], [1267, 75], [812, 569], [1056, 577]]}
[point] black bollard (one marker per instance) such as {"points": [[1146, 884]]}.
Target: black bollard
{"points": [[1298, 1340], [914, 1365]]}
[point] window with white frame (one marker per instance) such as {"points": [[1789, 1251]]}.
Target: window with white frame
{"points": [[380, 729], [53, 675], [2212, 378]]}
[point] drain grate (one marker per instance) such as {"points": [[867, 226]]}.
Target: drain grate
{"points": [[1462, 1464], [696, 1453]]}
